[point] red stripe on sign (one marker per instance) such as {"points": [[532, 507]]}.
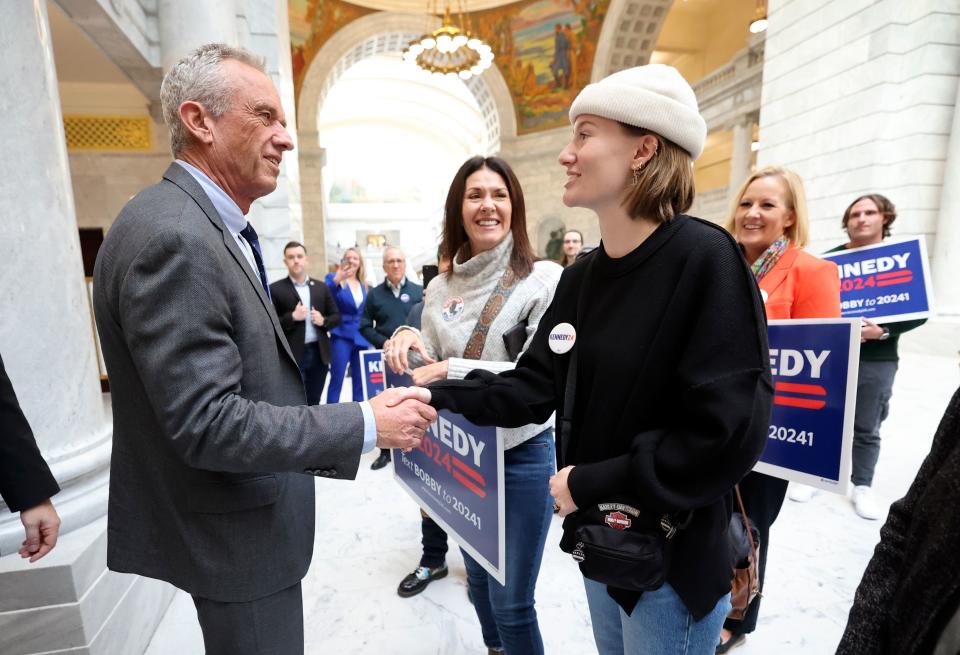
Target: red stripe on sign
{"points": [[804, 403], [792, 387], [899, 280], [469, 471], [903, 272], [469, 485], [376, 377]]}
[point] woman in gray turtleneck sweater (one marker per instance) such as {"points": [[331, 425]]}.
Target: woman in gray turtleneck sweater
{"points": [[493, 275]]}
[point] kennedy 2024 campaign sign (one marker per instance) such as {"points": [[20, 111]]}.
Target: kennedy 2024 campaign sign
{"points": [[456, 475], [886, 282], [814, 364]]}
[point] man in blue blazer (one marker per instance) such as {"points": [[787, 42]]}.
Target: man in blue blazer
{"points": [[215, 452]]}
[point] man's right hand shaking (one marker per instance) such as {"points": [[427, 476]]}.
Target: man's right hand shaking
{"points": [[402, 415]]}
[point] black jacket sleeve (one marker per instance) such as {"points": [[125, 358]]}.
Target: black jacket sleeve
{"points": [[281, 303], [25, 478], [903, 326]]}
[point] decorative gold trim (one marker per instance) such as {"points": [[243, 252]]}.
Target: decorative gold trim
{"points": [[107, 132]]}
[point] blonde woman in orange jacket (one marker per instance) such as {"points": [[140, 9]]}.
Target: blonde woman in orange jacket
{"points": [[769, 221]]}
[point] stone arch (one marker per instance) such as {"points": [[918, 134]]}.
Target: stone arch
{"points": [[629, 35], [371, 35]]}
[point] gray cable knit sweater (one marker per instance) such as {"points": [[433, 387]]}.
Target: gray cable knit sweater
{"points": [[454, 303]]}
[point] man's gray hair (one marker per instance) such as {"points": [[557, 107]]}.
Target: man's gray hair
{"points": [[198, 77]]}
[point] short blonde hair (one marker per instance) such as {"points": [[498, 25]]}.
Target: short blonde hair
{"points": [[665, 185], [799, 232]]}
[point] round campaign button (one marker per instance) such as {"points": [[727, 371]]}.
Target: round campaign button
{"points": [[404, 297], [452, 307], [562, 337]]}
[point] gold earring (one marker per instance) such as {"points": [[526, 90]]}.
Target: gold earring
{"points": [[636, 174]]}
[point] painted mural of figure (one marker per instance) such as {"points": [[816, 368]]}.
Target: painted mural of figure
{"points": [[560, 66], [572, 40], [529, 81]]}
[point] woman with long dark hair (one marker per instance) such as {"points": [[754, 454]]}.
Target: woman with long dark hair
{"points": [[481, 314]]}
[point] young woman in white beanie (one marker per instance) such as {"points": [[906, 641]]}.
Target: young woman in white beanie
{"points": [[654, 356]]}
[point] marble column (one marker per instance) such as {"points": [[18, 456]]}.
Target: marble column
{"points": [[66, 602], [946, 251], [46, 333], [186, 25], [312, 158], [741, 156]]}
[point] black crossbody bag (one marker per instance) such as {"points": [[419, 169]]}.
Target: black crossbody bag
{"points": [[614, 542]]}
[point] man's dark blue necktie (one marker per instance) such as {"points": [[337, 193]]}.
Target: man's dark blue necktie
{"points": [[250, 235]]}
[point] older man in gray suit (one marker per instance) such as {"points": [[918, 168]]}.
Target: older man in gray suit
{"points": [[214, 448]]}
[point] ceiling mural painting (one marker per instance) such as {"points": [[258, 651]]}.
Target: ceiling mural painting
{"points": [[544, 48], [312, 23]]}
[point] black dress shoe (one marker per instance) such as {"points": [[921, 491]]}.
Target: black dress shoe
{"points": [[417, 581], [731, 643], [381, 461]]}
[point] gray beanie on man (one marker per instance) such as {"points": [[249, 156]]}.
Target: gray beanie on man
{"points": [[654, 97]]}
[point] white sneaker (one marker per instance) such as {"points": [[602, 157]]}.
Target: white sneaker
{"points": [[801, 493], [865, 503]]}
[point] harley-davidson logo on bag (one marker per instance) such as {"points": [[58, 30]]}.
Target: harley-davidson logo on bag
{"points": [[618, 520]]}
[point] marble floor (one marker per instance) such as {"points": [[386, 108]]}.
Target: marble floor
{"points": [[368, 539]]}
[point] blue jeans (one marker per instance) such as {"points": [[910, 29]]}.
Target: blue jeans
{"points": [[507, 615], [659, 624], [313, 371], [342, 352]]}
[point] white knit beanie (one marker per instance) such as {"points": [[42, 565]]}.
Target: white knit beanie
{"points": [[654, 97]]}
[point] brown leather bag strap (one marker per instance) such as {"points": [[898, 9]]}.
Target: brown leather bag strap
{"points": [[743, 515], [498, 298]]}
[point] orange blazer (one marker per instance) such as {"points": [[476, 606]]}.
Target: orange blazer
{"points": [[801, 286]]}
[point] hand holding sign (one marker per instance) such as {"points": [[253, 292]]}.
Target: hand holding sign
{"points": [[395, 350]]}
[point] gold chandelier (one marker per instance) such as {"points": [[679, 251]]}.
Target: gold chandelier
{"points": [[450, 50]]}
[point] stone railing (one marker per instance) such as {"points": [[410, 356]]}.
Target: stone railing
{"points": [[711, 205], [732, 90]]}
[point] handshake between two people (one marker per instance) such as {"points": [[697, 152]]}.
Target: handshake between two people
{"points": [[402, 415]]}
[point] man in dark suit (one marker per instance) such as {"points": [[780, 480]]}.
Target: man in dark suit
{"points": [[387, 307], [214, 449], [306, 311], [26, 483]]}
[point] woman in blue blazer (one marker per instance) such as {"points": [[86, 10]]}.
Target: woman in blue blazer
{"points": [[350, 293]]}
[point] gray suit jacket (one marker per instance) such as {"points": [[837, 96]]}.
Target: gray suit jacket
{"points": [[211, 434]]}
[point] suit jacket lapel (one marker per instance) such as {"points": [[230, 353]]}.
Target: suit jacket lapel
{"points": [[776, 276], [176, 174], [315, 300]]}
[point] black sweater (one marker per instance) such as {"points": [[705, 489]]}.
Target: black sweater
{"points": [[673, 389]]}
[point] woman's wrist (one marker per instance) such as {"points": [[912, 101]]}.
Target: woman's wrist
{"points": [[402, 328]]}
